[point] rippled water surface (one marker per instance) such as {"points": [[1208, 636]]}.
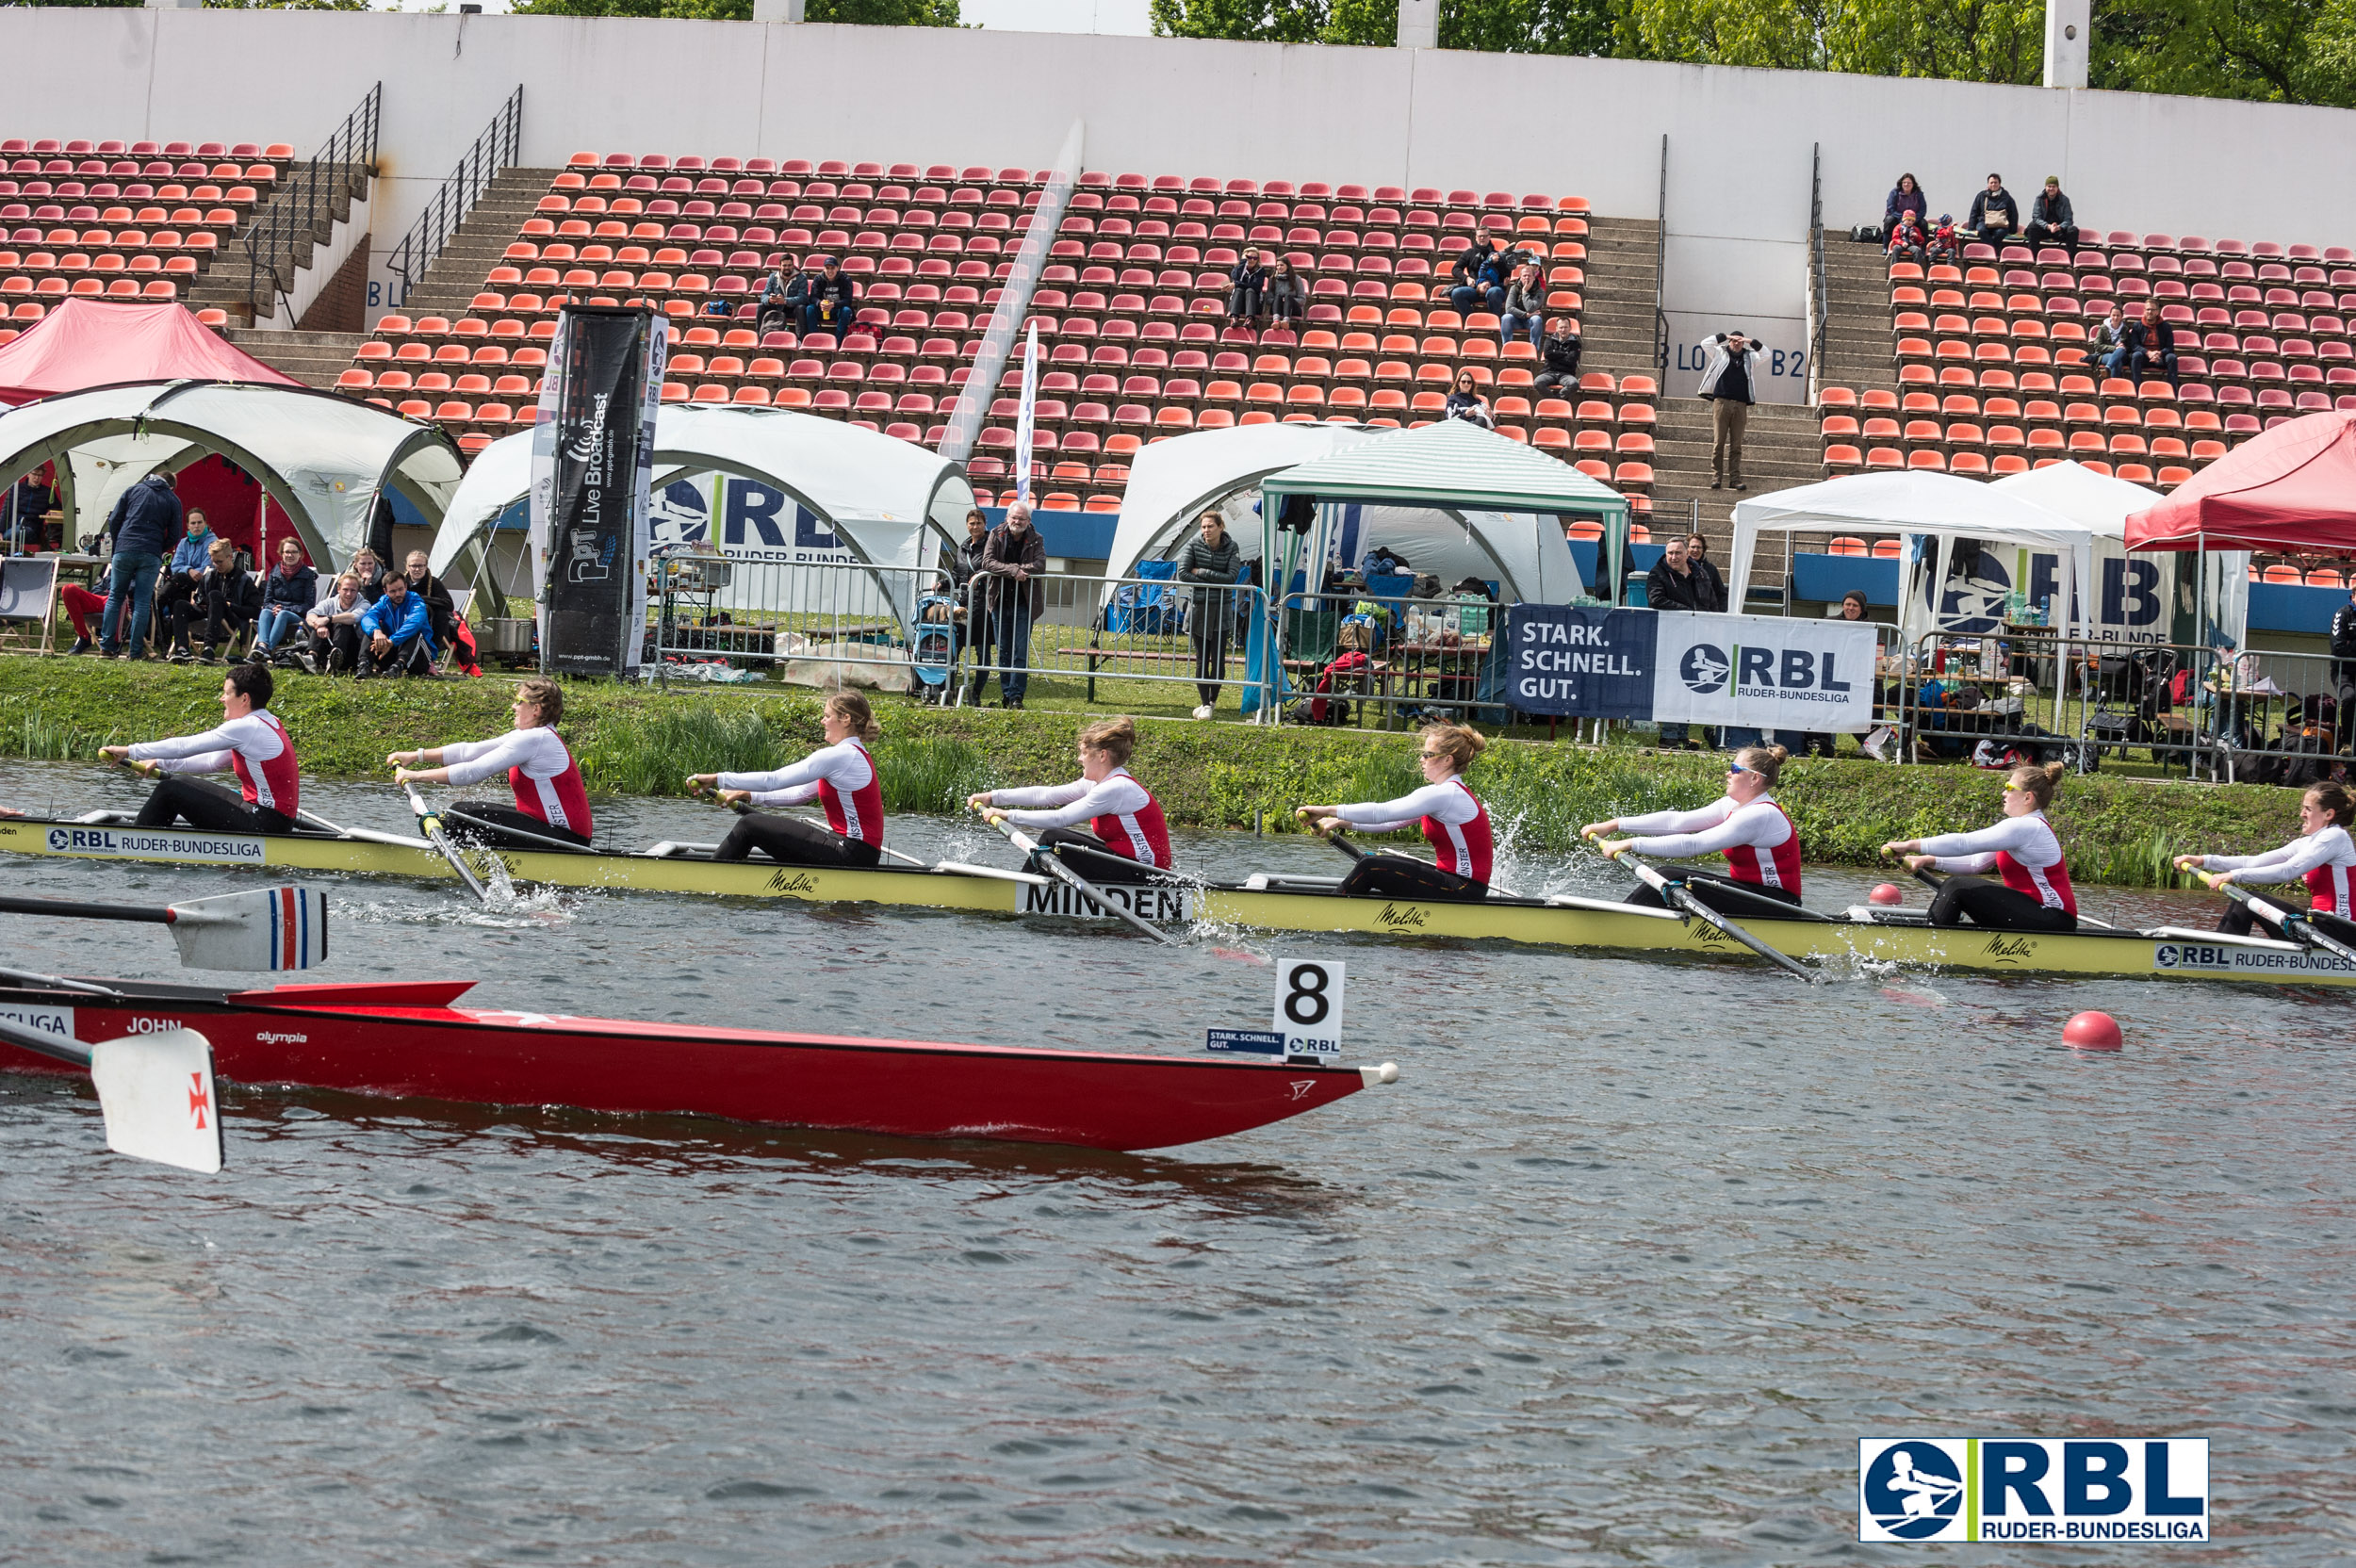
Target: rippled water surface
{"points": [[1618, 1272]]}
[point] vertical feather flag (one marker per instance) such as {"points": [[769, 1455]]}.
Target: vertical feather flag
{"points": [[1022, 422]]}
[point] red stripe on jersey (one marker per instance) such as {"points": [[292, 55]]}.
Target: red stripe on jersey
{"points": [[2327, 890], [560, 802], [277, 784], [1141, 836], [859, 814], [1467, 848], [1778, 868], [2048, 885]]}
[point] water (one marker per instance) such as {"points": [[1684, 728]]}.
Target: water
{"points": [[1619, 1271]]}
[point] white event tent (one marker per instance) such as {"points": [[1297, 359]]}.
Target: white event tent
{"points": [[322, 458]]}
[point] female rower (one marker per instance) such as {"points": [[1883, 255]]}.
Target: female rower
{"points": [[1762, 847], [550, 800], [2023, 849], [1130, 842], [840, 775], [249, 741], [1452, 820], [2321, 857]]}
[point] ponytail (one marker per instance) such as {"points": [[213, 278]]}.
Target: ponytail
{"points": [[853, 710]]}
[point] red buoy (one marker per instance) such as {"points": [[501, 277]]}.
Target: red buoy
{"points": [[2092, 1032], [1887, 893]]}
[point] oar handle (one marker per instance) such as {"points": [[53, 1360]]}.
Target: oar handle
{"points": [[1930, 878], [70, 908]]}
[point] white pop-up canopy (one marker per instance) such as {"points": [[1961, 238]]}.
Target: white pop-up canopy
{"points": [[322, 458], [1173, 482], [2103, 503]]}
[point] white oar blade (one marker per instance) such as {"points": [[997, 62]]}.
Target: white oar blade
{"points": [[271, 928], [157, 1091]]}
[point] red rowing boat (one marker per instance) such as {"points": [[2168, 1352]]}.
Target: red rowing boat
{"points": [[411, 1040]]}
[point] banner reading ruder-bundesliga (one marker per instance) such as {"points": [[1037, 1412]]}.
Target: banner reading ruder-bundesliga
{"points": [[591, 459]]}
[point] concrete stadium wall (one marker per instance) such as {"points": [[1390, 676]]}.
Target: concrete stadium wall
{"points": [[1739, 140]]}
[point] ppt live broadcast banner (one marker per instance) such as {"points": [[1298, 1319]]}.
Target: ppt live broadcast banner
{"points": [[1759, 672]]}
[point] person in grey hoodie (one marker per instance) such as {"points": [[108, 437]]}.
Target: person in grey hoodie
{"points": [[1211, 562], [143, 525]]}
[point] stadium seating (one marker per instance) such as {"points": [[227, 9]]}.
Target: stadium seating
{"points": [[1131, 306], [120, 220]]}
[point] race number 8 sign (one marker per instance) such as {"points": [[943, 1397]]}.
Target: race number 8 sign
{"points": [[1309, 1006]]}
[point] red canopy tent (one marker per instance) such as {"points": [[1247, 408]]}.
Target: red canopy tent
{"points": [[87, 343], [2292, 489]]}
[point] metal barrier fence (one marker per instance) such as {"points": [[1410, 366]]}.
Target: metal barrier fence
{"points": [[2210, 713], [1347, 656]]}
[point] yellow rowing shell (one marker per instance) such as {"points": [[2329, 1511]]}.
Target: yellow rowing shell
{"points": [[2165, 953]]}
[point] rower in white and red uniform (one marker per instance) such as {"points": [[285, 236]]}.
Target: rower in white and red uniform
{"points": [[2323, 857], [1129, 841], [840, 776], [1450, 817], [552, 804], [250, 743], [1744, 825], [2023, 850]]}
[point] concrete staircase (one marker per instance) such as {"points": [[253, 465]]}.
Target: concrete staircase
{"points": [[313, 358], [1857, 346], [478, 244], [1616, 327], [225, 285]]}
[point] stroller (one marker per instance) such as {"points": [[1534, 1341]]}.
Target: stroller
{"points": [[934, 649]]}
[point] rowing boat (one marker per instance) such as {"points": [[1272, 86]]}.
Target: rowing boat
{"points": [[411, 1039], [1296, 903]]}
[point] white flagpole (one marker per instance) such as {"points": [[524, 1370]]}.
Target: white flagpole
{"points": [[1022, 420]]}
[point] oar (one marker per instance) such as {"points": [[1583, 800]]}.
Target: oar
{"points": [[267, 928], [1054, 867], [2294, 922], [1678, 896], [366, 835], [154, 1091], [431, 826]]}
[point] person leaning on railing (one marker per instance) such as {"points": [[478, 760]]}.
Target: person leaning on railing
{"points": [[1210, 562], [1010, 589]]}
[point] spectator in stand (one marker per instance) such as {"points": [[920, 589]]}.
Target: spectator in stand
{"points": [[1995, 216], [334, 623], [1477, 279], [176, 599], [367, 570], [2147, 348], [1709, 591], [440, 607], [1946, 243], [780, 306], [1673, 585], [143, 525], [2109, 336], [1908, 239], [229, 599], [830, 300], [1465, 402], [2049, 218], [1287, 292], [1729, 381], [1557, 352], [397, 632], [1525, 300], [1012, 563], [1211, 562], [1247, 291], [1905, 197], [288, 594]]}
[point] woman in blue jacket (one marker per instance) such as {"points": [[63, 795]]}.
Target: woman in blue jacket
{"points": [[291, 590]]}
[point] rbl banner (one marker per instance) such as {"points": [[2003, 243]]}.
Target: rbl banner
{"points": [[1759, 672]]}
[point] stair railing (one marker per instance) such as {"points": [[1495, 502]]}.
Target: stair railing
{"points": [[277, 241], [1661, 273], [1819, 307], [493, 152]]}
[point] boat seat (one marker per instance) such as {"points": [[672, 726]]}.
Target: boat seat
{"points": [[1260, 882], [107, 819], [668, 850], [1873, 914]]}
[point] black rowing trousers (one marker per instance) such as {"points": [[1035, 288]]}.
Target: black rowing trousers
{"points": [[199, 804], [1996, 907], [491, 821], [795, 842], [1720, 892]]}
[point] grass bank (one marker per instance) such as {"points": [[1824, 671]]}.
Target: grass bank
{"points": [[629, 741]]}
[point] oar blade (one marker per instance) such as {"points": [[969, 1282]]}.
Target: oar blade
{"points": [[270, 929], [156, 1092]]}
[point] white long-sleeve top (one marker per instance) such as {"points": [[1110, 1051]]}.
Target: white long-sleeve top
{"points": [[537, 751], [1447, 801], [1714, 828], [212, 752], [2029, 840], [845, 764], [2328, 846], [1117, 794]]}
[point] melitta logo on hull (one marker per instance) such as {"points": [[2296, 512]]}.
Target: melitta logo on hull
{"points": [[2033, 1489], [2011, 948], [1401, 917], [150, 843], [1163, 905], [2233, 959], [800, 883]]}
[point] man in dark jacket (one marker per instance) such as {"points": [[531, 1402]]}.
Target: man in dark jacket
{"points": [[1008, 588], [441, 608], [1478, 284], [1247, 291], [145, 525], [227, 598], [2343, 663], [2148, 347], [2049, 218], [1557, 352], [1673, 585], [1211, 562], [1994, 216], [829, 300]]}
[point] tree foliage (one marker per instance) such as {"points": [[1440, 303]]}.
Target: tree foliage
{"points": [[866, 13], [2274, 51], [1982, 40], [1500, 26]]}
